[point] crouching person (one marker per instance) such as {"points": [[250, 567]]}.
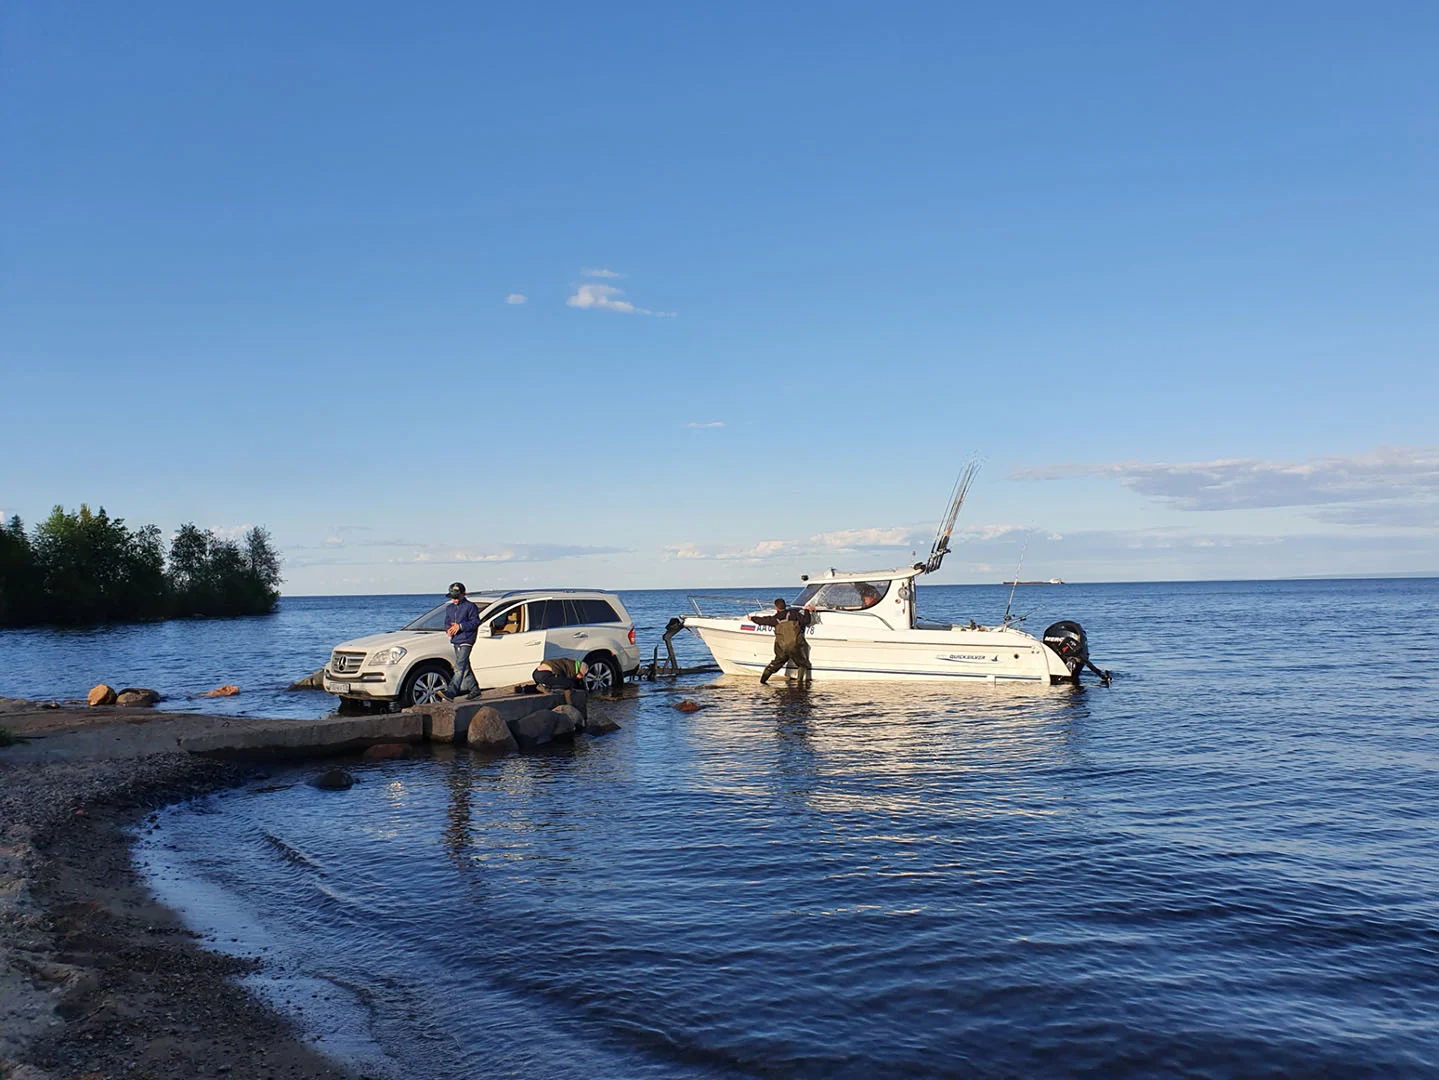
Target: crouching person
{"points": [[561, 673]]}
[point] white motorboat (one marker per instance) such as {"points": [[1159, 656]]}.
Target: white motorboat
{"points": [[865, 626]]}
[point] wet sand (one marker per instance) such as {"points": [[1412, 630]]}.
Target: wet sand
{"points": [[97, 979]]}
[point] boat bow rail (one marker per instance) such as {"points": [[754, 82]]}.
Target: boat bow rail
{"points": [[711, 606]]}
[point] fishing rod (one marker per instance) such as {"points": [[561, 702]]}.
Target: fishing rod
{"points": [[940, 548]]}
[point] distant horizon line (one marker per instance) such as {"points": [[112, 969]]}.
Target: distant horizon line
{"points": [[1404, 576]]}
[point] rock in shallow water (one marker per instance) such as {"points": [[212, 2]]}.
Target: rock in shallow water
{"points": [[489, 732], [315, 681], [135, 697], [534, 729], [442, 721], [568, 719], [332, 780]]}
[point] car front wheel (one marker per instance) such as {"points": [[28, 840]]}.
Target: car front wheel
{"points": [[423, 685], [603, 676]]}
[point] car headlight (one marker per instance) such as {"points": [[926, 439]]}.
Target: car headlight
{"points": [[386, 657]]}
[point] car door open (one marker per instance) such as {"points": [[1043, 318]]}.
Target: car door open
{"points": [[511, 650]]}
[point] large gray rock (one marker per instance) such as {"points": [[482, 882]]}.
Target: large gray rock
{"points": [[134, 697], [489, 732], [579, 698], [599, 724], [534, 729], [568, 720], [442, 726], [315, 681]]}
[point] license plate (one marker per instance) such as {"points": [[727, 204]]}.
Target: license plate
{"points": [[339, 688]]}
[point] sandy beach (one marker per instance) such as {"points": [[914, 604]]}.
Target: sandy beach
{"points": [[97, 979]]}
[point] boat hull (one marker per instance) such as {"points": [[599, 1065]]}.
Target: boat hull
{"points": [[958, 654]]}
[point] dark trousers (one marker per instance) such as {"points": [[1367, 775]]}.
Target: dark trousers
{"points": [[797, 654], [546, 679]]}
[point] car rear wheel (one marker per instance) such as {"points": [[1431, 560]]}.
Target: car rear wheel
{"points": [[603, 676], [423, 685]]}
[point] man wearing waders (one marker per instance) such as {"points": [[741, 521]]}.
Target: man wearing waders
{"points": [[789, 643]]}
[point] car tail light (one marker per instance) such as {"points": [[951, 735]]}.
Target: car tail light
{"points": [[632, 635]]}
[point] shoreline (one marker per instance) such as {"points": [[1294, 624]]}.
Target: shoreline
{"points": [[97, 976]]}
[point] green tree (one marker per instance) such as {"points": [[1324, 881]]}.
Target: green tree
{"points": [[262, 564], [87, 567], [94, 569], [21, 596]]}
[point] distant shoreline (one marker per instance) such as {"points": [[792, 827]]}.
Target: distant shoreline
{"points": [[791, 587]]}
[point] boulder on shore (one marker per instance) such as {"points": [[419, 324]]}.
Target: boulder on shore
{"points": [[315, 681], [441, 715], [332, 780], [101, 695], [534, 729], [489, 732], [221, 691], [568, 719], [135, 697]]}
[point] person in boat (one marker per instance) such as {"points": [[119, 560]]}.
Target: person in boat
{"points": [[868, 594], [560, 673], [789, 644]]}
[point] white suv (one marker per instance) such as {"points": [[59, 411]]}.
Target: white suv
{"points": [[517, 631]]}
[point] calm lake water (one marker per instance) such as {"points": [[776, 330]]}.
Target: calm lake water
{"points": [[1225, 864]]}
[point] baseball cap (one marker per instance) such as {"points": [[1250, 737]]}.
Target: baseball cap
{"points": [[457, 588]]}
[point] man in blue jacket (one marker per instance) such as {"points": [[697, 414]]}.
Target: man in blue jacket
{"points": [[462, 622]]}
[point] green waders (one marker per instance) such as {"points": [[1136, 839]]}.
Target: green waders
{"points": [[789, 648]]}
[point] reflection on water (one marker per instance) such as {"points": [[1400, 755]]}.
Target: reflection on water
{"points": [[1223, 864]]}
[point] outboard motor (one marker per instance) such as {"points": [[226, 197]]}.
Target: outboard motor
{"points": [[1067, 638]]}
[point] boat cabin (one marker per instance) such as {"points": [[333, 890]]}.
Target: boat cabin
{"points": [[885, 595]]}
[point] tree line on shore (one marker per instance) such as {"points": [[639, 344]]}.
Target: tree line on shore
{"points": [[80, 567]]}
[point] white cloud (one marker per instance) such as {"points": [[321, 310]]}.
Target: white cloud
{"points": [[846, 539], [602, 297], [705, 424], [229, 532], [516, 298], [607, 298], [505, 553], [601, 272], [1388, 485]]}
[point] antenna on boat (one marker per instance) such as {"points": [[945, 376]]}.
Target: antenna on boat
{"points": [[1015, 583], [940, 547]]}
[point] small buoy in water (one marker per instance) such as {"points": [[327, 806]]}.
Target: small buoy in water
{"points": [[689, 706]]}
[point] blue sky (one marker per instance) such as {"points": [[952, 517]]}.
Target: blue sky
{"points": [[1171, 270]]}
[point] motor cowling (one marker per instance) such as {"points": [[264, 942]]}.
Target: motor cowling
{"points": [[1067, 638]]}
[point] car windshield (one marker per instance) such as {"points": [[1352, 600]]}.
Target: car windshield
{"points": [[434, 619]]}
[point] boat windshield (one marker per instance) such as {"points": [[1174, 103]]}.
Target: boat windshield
{"points": [[843, 595]]}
